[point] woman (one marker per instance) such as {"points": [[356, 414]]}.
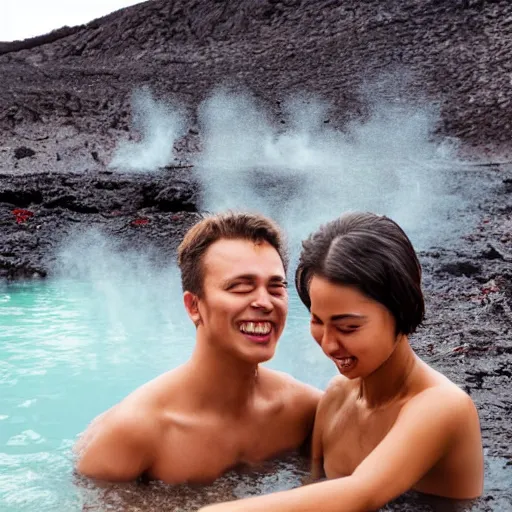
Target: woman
{"points": [[389, 423]]}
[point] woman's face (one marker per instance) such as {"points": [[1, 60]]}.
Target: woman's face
{"points": [[356, 332]]}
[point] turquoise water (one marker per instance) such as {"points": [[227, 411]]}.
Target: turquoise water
{"points": [[70, 349]]}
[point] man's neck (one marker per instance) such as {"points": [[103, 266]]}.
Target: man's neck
{"points": [[390, 382], [221, 382]]}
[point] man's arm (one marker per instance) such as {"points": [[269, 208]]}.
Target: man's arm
{"points": [[421, 435], [118, 447]]}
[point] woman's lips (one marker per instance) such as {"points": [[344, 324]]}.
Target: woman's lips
{"points": [[345, 363]]}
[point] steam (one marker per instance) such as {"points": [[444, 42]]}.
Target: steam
{"points": [[309, 173], [159, 126], [125, 291], [304, 172]]}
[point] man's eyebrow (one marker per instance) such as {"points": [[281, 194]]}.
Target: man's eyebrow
{"points": [[344, 316], [253, 277], [279, 279]]}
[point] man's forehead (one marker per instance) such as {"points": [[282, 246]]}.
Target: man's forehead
{"points": [[243, 257]]}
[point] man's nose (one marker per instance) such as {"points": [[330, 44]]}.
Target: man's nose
{"points": [[262, 300]]}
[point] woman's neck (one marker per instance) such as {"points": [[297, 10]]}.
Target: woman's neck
{"points": [[390, 382]]}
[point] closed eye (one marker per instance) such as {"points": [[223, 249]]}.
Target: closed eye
{"points": [[277, 288], [240, 288], [347, 329]]}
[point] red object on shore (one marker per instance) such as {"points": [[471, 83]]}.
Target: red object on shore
{"points": [[139, 222], [22, 215]]}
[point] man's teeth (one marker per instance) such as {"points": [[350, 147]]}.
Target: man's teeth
{"points": [[260, 328]]}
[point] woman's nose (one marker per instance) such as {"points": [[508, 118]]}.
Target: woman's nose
{"points": [[329, 342]]}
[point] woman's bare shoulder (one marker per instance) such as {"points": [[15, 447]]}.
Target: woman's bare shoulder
{"points": [[444, 397]]}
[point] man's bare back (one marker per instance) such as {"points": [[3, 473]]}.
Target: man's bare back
{"points": [[163, 432], [349, 430]]}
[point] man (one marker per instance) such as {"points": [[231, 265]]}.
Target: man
{"points": [[219, 409]]}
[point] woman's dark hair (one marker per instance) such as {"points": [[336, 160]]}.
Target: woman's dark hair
{"points": [[373, 254]]}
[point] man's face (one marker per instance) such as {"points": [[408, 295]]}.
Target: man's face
{"points": [[245, 301]]}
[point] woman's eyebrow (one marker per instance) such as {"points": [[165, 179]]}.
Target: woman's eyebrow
{"points": [[350, 316], [344, 316]]}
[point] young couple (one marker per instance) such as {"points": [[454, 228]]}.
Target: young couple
{"points": [[387, 424]]}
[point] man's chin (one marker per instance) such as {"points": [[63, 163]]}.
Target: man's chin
{"points": [[259, 354]]}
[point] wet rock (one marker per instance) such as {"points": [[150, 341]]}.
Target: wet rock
{"points": [[178, 197], [21, 197], [491, 253], [70, 202], [460, 268], [23, 152]]}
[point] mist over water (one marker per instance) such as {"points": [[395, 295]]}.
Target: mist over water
{"points": [[126, 292]]}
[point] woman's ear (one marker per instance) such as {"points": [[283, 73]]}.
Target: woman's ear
{"points": [[191, 302]]}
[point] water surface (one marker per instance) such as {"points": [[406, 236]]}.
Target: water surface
{"points": [[71, 349]]}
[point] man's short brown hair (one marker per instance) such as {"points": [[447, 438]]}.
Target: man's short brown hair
{"points": [[230, 226]]}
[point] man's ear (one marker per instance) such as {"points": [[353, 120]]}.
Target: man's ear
{"points": [[191, 302]]}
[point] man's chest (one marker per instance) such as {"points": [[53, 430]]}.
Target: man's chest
{"points": [[202, 454]]}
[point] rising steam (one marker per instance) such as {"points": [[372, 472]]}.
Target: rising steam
{"points": [[159, 126], [307, 172]]}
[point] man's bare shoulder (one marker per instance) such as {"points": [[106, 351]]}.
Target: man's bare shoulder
{"points": [[123, 442], [289, 387], [156, 393], [125, 420], [136, 418], [337, 393]]}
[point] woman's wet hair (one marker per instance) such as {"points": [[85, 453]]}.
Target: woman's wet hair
{"points": [[229, 226], [371, 253]]}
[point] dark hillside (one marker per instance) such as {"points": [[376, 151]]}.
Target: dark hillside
{"points": [[456, 52]]}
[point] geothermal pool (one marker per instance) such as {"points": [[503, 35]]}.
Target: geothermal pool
{"points": [[69, 350]]}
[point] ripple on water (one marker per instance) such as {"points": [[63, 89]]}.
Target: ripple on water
{"points": [[278, 475]]}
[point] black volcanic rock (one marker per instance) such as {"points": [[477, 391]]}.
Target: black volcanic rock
{"points": [[454, 52], [23, 152]]}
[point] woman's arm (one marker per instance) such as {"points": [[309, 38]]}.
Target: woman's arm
{"points": [[423, 432]]}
